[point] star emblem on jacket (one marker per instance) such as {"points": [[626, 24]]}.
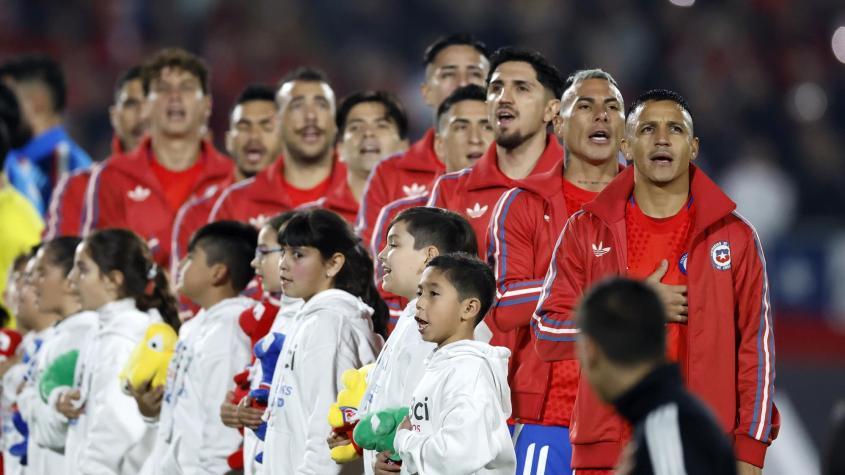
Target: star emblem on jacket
{"points": [[139, 193], [599, 249], [414, 189], [476, 211]]}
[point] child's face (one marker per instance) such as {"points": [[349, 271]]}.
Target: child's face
{"points": [[95, 289], [439, 308], [195, 275], [28, 311], [51, 287], [402, 264], [266, 262], [303, 272]]}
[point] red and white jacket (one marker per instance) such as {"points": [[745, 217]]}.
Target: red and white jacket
{"points": [[65, 214], [338, 199], [125, 193], [257, 199], [407, 174], [474, 191], [730, 360]]}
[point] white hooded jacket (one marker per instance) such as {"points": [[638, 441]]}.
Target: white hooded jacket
{"points": [[48, 427], [331, 333], [211, 349], [459, 414], [109, 437]]}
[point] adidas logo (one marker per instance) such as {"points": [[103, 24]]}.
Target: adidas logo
{"points": [[258, 221], [415, 189], [139, 193], [477, 211], [599, 251]]}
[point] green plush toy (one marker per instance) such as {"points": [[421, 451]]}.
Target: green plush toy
{"points": [[375, 431], [59, 373]]}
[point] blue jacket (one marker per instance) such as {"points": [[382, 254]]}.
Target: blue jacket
{"points": [[36, 168]]}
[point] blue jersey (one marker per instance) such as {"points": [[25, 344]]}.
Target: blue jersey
{"points": [[36, 168]]}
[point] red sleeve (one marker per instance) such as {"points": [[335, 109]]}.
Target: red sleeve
{"points": [[511, 234], [64, 216], [758, 419], [376, 195], [103, 201], [553, 320], [437, 198]]}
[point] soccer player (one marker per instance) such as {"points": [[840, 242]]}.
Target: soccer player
{"points": [[450, 62], [64, 215], [253, 141], [36, 168], [664, 221], [144, 191], [523, 92], [308, 168], [522, 232], [371, 125]]}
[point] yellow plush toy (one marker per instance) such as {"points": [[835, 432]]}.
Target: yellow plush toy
{"points": [[149, 360], [343, 415]]}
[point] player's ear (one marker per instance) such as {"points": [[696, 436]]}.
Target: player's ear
{"points": [[470, 308], [694, 149]]}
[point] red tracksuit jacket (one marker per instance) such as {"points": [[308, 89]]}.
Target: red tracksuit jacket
{"points": [[474, 191], [338, 199], [64, 216], [259, 198], [125, 193], [730, 359], [405, 174]]}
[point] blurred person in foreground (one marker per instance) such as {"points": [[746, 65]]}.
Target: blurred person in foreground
{"points": [[620, 349]]}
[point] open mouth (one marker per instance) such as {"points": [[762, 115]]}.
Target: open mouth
{"points": [[505, 117], [600, 137], [254, 154], [473, 156], [662, 158], [370, 148], [176, 113], [385, 270], [421, 324], [311, 135]]}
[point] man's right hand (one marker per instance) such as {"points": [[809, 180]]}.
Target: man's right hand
{"points": [[229, 412], [249, 416], [674, 297], [382, 467]]}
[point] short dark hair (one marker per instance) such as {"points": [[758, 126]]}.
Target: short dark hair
{"points": [[230, 243], [444, 42], [44, 69], [659, 95], [470, 277], [60, 251], [470, 92], [16, 128], [175, 58], [547, 74], [446, 230], [395, 109], [626, 320], [304, 73], [256, 92], [135, 73]]}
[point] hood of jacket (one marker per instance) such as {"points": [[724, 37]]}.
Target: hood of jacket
{"points": [[496, 357]]}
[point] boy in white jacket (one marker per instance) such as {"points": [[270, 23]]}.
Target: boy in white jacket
{"points": [[457, 422], [415, 237], [191, 438]]}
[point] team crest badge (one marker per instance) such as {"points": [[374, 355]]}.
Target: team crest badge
{"points": [[720, 253], [682, 264]]}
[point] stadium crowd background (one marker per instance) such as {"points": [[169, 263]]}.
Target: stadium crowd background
{"points": [[765, 79]]}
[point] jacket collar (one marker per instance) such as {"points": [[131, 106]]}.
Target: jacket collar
{"points": [[43, 145], [266, 187], [713, 203], [658, 387], [486, 172], [421, 157], [137, 164]]}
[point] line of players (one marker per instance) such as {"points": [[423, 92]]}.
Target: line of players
{"points": [[551, 219]]}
